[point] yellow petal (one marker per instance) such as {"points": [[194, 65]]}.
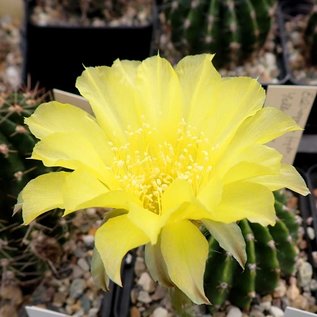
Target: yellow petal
{"points": [[94, 87], [253, 161], [116, 98], [156, 265], [117, 199], [160, 94], [234, 100], [177, 193], [246, 200], [80, 190], [230, 238], [113, 240], [266, 125], [74, 151], [288, 177], [146, 220], [210, 194], [185, 251], [42, 194], [53, 117], [179, 203], [98, 272], [197, 76]]}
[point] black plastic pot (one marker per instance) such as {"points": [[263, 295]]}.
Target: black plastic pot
{"points": [[55, 56], [289, 9], [116, 302], [311, 203]]}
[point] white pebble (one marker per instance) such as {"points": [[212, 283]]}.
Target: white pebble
{"points": [[234, 312], [82, 263], [88, 240], [160, 312], [270, 60], [93, 312], [313, 285], [276, 311], [305, 273], [146, 282], [266, 305], [311, 233], [144, 297], [13, 76]]}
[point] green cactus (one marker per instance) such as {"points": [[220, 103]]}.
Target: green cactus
{"points": [[233, 29], [311, 35], [20, 253], [271, 253]]}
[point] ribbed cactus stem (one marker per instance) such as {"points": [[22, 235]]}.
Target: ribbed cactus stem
{"points": [[232, 39], [12, 168], [288, 218], [17, 254], [244, 281], [212, 30], [218, 277], [19, 135], [266, 259], [286, 250], [192, 25], [271, 253], [233, 29]]}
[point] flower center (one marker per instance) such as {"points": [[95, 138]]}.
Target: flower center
{"points": [[147, 165]]}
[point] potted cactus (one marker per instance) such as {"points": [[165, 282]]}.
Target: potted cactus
{"points": [[46, 262], [23, 260], [274, 255], [61, 37], [243, 34], [271, 254]]}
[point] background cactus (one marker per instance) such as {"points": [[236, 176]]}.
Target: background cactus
{"points": [[271, 254], [233, 29], [25, 251], [311, 35], [100, 11]]}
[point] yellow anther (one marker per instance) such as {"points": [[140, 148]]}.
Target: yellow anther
{"points": [[147, 168]]}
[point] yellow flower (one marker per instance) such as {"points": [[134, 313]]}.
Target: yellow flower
{"points": [[169, 150]]}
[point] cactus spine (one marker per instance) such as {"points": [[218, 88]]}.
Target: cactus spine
{"points": [[233, 29], [271, 253]]}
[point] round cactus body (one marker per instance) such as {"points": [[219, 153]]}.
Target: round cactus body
{"points": [[18, 251], [232, 29], [271, 253]]}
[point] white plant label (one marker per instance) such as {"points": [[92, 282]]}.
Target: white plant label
{"points": [[73, 99], [297, 102], [294, 312], [34, 311]]}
